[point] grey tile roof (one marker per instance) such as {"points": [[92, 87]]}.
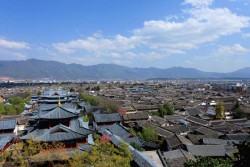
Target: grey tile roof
{"points": [[85, 147], [59, 133], [211, 141], [158, 120], [195, 139], [8, 124], [75, 125], [163, 132], [238, 136], [142, 160], [137, 116], [193, 111], [174, 142], [177, 129], [4, 141], [176, 158], [207, 150], [197, 121], [226, 127], [122, 132], [57, 113], [207, 131], [102, 118], [184, 140], [35, 134]]}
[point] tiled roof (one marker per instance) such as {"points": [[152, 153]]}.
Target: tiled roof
{"points": [[137, 116], [197, 121], [207, 131], [195, 139], [75, 125], [226, 127], [193, 111], [59, 133], [158, 120], [174, 142], [142, 160], [207, 150], [238, 136], [211, 141], [122, 132], [177, 129], [176, 158], [56, 113], [85, 147], [184, 140], [4, 141], [102, 118], [8, 124]]}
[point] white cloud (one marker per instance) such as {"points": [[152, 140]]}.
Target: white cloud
{"points": [[202, 24], [236, 49], [97, 43], [199, 3], [246, 35], [12, 55], [13, 45]]}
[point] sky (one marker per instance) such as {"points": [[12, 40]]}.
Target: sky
{"points": [[209, 35]]}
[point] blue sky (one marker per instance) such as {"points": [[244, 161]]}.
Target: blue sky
{"points": [[209, 35]]}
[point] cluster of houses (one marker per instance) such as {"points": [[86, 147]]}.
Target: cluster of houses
{"points": [[189, 133]]}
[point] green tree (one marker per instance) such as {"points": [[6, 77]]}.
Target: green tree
{"points": [[148, 134], [92, 100], [25, 154], [237, 111], [103, 155], [220, 111], [209, 162], [166, 109], [108, 105]]}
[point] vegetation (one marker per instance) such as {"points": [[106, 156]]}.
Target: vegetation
{"points": [[136, 146], [92, 100], [220, 111], [209, 162], [85, 118], [241, 158], [237, 111], [103, 154], [148, 134], [166, 109], [33, 153], [16, 106], [23, 154], [106, 104]]}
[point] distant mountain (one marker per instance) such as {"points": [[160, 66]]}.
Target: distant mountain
{"points": [[36, 69], [242, 73]]}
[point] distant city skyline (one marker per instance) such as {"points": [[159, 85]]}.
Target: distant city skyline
{"points": [[209, 35]]}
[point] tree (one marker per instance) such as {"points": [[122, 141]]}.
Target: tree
{"points": [[220, 111], [26, 153], [148, 134], [108, 105], [92, 100], [237, 111], [166, 109], [209, 162], [103, 154]]}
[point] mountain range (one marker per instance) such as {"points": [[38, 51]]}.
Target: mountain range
{"points": [[37, 69]]}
